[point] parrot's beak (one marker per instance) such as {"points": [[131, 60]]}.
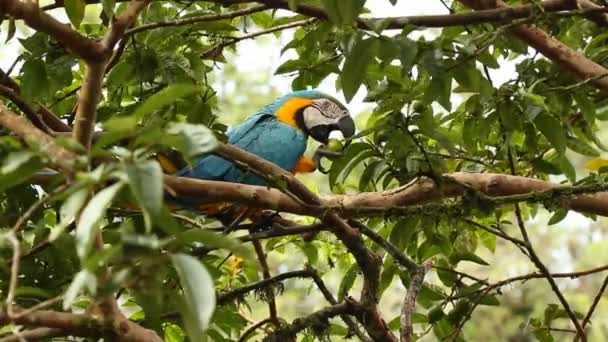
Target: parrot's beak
{"points": [[346, 125]]}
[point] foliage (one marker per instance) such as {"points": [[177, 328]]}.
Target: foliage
{"points": [[436, 110]]}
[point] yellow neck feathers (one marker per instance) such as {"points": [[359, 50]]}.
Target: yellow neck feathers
{"points": [[287, 112]]}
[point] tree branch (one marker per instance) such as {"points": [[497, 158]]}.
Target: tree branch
{"points": [[251, 329], [552, 48], [84, 123], [11, 90], [29, 11], [272, 305], [233, 40], [368, 261], [317, 321], [409, 303], [29, 112], [34, 137], [197, 19], [83, 325], [596, 301], [391, 249], [34, 335], [229, 296], [470, 18]]}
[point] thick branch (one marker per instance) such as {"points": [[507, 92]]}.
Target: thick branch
{"points": [[29, 11], [121, 23], [34, 335], [424, 190], [11, 90], [34, 137], [585, 199], [82, 325], [552, 48], [470, 18], [84, 123], [20, 102]]}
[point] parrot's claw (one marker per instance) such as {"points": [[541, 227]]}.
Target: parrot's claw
{"points": [[321, 152], [266, 219]]}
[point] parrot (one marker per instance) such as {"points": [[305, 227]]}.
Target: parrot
{"points": [[278, 133]]}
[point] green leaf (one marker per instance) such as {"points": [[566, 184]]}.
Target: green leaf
{"points": [[146, 183], [91, 216], [351, 152], [440, 90], [75, 10], [332, 8], [173, 333], [165, 97], [586, 106], [68, 211], [559, 215], [293, 4], [37, 44], [467, 256], [347, 281], [488, 240], [552, 129], [35, 83], [199, 294], [212, 239], [355, 65], [190, 139], [581, 147], [108, 7], [408, 53], [349, 10], [83, 280], [17, 167]]}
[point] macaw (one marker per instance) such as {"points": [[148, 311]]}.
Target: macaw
{"points": [[277, 133]]}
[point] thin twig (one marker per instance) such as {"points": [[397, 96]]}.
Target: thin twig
{"points": [[272, 305], [398, 255], [12, 287], [409, 302], [198, 19], [233, 40], [596, 301], [253, 328]]}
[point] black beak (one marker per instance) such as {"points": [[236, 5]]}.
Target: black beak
{"points": [[346, 125], [320, 133]]}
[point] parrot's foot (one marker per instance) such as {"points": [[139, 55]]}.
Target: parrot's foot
{"points": [[266, 219]]}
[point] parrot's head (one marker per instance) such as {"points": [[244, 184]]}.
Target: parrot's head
{"points": [[315, 113]]}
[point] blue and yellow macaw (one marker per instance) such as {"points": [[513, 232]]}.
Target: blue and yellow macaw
{"points": [[277, 133]]}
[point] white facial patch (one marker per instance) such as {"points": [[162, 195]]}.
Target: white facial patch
{"points": [[323, 112]]}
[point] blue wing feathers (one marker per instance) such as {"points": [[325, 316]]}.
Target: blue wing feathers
{"points": [[262, 135]]}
